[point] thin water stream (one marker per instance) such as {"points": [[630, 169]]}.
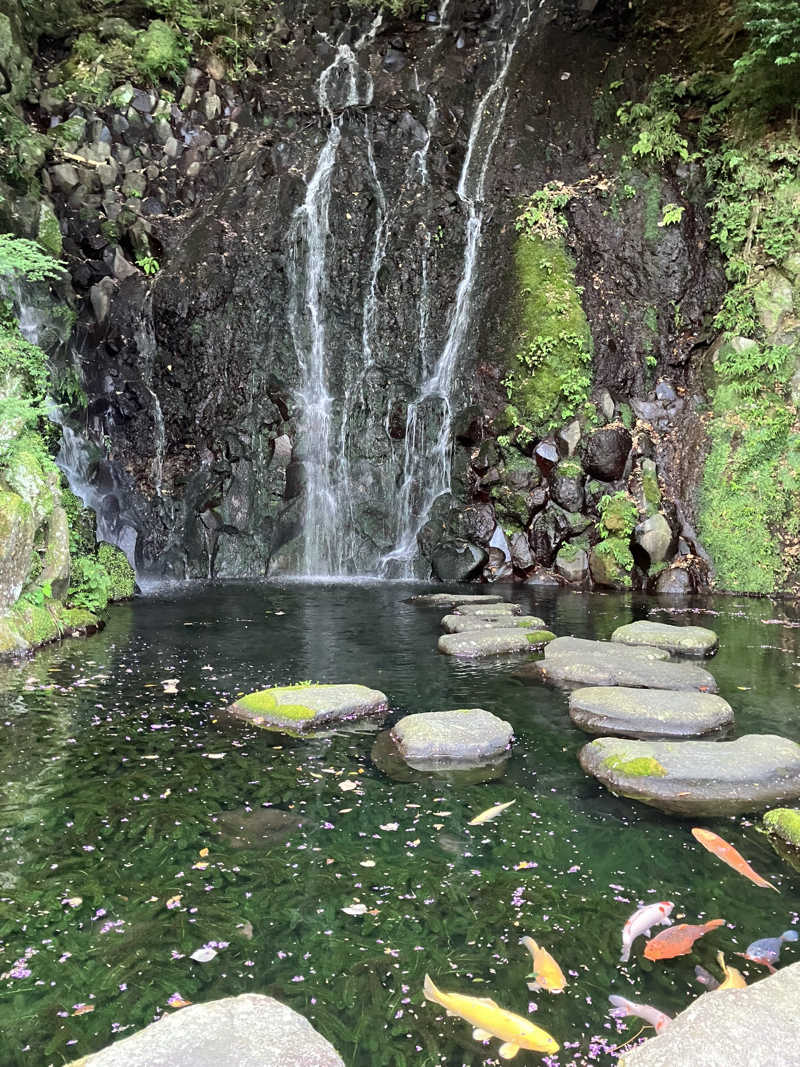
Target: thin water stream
{"points": [[119, 764]]}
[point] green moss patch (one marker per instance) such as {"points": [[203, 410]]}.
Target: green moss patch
{"points": [[784, 823], [540, 637], [640, 767], [267, 702]]}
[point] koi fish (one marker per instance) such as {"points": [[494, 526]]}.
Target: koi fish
{"points": [[705, 978], [678, 941], [733, 979], [728, 854], [546, 972], [491, 1021], [490, 813], [657, 1019], [768, 949], [641, 922]]}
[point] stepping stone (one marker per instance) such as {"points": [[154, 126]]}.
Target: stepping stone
{"points": [[250, 1030], [732, 1028], [464, 736], [595, 670], [305, 707], [458, 624], [679, 640], [695, 778], [261, 828], [494, 642], [490, 612], [452, 600], [783, 830], [643, 713], [387, 758], [570, 646]]}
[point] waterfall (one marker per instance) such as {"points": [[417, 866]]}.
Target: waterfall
{"points": [[427, 453]]}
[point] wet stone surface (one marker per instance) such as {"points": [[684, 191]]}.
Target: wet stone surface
{"points": [[679, 640], [624, 712], [602, 671]]}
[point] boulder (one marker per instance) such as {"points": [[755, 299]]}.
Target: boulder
{"points": [[56, 562], [17, 528], [638, 674], [731, 1028], [459, 624], [606, 566], [782, 826], [623, 712], [546, 456], [305, 707], [454, 600], [250, 1030], [494, 642], [678, 640], [655, 538], [676, 581], [694, 778], [521, 555], [568, 438], [581, 646], [458, 561], [490, 611], [606, 453], [572, 564], [566, 485], [465, 736], [387, 758]]}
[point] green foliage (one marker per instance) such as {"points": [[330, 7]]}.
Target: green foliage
{"points": [[774, 31], [120, 573], [618, 515], [550, 375], [90, 586], [752, 370], [671, 214], [160, 53], [20, 258], [149, 264], [543, 215], [655, 122], [82, 539]]}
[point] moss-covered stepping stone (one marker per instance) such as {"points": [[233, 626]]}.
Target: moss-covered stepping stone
{"points": [[493, 642], [488, 611], [625, 712], [612, 670], [453, 600], [463, 736], [693, 778], [783, 829], [679, 640], [571, 646], [305, 707], [459, 624]]}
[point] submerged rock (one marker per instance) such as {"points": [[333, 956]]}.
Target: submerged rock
{"points": [[261, 828], [679, 640], [304, 707], [250, 1030], [453, 600], [624, 712], [572, 646], [458, 624], [637, 673], [731, 1028], [388, 759], [493, 642], [698, 777], [465, 736]]}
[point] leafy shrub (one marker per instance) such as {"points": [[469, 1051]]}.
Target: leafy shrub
{"points": [[160, 54], [618, 515], [655, 122], [89, 586], [119, 571]]}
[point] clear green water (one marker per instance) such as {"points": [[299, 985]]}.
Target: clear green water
{"points": [[108, 792]]}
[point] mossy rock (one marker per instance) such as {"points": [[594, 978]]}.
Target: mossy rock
{"points": [[639, 767], [642, 713], [17, 528], [496, 641], [464, 736], [604, 650], [678, 640], [611, 563], [454, 600], [488, 611], [158, 53], [635, 673], [784, 823], [305, 707], [122, 580], [459, 624]]}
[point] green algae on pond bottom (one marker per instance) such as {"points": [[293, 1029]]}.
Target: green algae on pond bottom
{"points": [[112, 790]]}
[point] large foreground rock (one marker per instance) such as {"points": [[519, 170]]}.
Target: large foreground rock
{"points": [[679, 640], [698, 777], [459, 624], [250, 1030], [636, 673], [625, 712], [452, 600], [581, 646], [753, 1027], [494, 642], [305, 707], [464, 736]]}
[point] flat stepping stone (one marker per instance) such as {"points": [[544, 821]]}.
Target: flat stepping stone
{"points": [[261, 828], [678, 640], [493, 642], [305, 707], [637, 673], [623, 712], [386, 756], [732, 1028], [488, 611], [250, 1030], [570, 646], [459, 624], [463, 736], [452, 600], [693, 778]]}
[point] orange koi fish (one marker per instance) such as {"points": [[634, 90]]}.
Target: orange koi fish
{"points": [[546, 972], [678, 940], [728, 854]]}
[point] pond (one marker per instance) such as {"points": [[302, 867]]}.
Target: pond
{"points": [[117, 760]]}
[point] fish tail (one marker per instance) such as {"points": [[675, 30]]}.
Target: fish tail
{"points": [[534, 987], [712, 924], [430, 991], [626, 953], [621, 1004], [789, 935]]}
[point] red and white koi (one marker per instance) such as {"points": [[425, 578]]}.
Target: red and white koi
{"points": [[641, 922]]}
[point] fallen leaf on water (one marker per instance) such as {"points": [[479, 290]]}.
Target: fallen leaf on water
{"points": [[82, 1009], [203, 852], [246, 929], [347, 785], [72, 902], [367, 863], [390, 826], [203, 955], [173, 902], [177, 1001], [214, 755], [744, 688], [355, 909], [170, 685], [201, 865]]}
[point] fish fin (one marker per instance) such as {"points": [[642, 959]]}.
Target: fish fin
{"points": [[626, 953], [508, 1050], [534, 987], [430, 990], [481, 1035]]}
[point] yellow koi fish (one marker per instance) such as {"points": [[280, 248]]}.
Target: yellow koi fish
{"points": [[733, 979], [490, 1020], [490, 813], [546, 972]]}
